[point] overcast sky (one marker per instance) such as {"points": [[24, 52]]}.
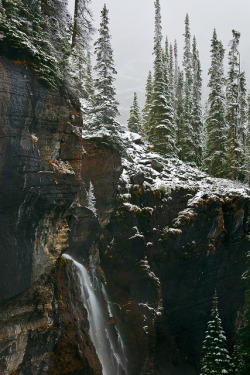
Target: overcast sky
{"points": [[132, 30]]}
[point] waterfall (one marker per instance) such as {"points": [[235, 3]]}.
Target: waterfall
{"points": [[105, 337]]}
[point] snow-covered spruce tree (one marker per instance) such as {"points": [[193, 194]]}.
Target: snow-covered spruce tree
{"points": [[197, 123], [186, 133], [215, 359], [245, 330], [179, 109], [171, 76], [247, 144], [232, 106], [178, 96], [215, 162], [23, 25], [2, 11], [242, 126], [81, 37], [57, 33], [88, 78], [87, 103], [134, 121], [147, 106], [176, 67], [105, 104], [161, 125], [15, 18], [237, 362]]}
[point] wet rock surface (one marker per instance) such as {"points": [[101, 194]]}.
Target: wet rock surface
{"points": [[163, 237], [168, 260]]}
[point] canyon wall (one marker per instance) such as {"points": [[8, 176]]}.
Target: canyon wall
{"points": [[160, 249]]}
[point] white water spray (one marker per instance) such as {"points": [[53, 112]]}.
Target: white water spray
{"points": [[106, 339]]}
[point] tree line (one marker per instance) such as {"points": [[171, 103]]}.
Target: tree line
{"points": [[42, 34], [57, 46], [216, 140]]}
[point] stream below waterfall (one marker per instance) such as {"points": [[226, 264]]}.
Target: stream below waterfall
{"points": [[105, 337]]}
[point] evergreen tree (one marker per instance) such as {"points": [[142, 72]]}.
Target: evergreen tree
{"points": [[245, 330], [237, 363], [232, 111], [161, 125], [104, 101], [247, 144], [176, 69], [167, 51], [2, 12], [179, 111], [197, 123], [158, 27], [134, 121], [22, 23], [171, 76], [81, 36], [186, 134], [178, 99], [242, 125], [15, 18], [56, 29], [88, 79], [215, 162], [215, 359], [148, 102], [87, 103]]}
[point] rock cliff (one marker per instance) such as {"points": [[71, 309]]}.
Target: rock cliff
{"points": [[163, 237]]}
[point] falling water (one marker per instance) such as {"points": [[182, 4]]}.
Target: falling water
{"points": [[105, 337]]}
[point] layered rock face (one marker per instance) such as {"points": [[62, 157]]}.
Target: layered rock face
{"points": [[40, 190], [162, 235]]}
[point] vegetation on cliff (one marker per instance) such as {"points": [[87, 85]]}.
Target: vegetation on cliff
{"points": [[41, 33], [215, 359]]}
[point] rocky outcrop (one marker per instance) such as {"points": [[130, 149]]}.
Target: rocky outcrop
{"points": [[35, 124], [163, 263], [163, 237], [41, 190]]}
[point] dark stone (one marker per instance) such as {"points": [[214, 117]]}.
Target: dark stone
{"points": [[138, 178], [156, 165], [205, 251]]}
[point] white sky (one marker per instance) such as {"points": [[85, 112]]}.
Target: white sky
{"points": [[132, 30]]}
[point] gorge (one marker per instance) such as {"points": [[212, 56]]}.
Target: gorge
{"points": [[161, 236]]}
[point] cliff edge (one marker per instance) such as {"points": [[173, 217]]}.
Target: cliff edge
{"points": [[163, 237]]}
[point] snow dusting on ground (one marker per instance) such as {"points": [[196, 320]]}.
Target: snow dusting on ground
{"points": [[141, 165]]}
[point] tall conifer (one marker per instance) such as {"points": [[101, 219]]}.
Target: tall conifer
{"points": [[179, 111], [171, 76], [176, 67], [215, 359], [215, 152], [87, 103], [105, 102], [134, 121], [245, 330], [232, 111], [88, 79], [147, 107], [242, 125], [81, 36], [161, 125], [247, 145], [186, 133], [197, 123]]}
